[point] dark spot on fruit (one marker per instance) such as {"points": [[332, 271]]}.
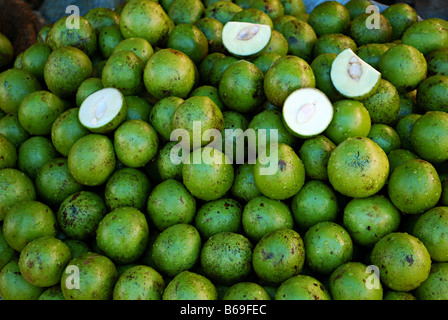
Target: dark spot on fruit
{"points": [[410, 260]]}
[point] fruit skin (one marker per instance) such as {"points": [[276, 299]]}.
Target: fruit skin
{"points": [[429, 136], [176, 249], [278, 256], [246, 291], [426, 36], [43, 260], [243, 187], [288, 178], [210, 178], [189, 285], [435, 286], [97, 278], [300, 37], [79, 214], [6, 51], [408, 180], [15, 187], [403, 261], [65, 70], [226, 258], [362, 35], [286, 75], [13, 286], [358, 167], [432, 93], [384, 104], [437, 62], [28, 220], [349, 282], [302, 287], [189, 39], [401, 16], [327, 246], [148, 286], [315, 153], [123, 234], [329, 17], [8, 153], [169, 72]]}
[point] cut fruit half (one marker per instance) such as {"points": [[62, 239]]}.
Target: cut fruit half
{"points": [[103, 111], [353, 77], [245, 38], [307, 112]]}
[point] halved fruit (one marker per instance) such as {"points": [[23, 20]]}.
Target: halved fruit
{"points": [[245, 38], [307, 112], [353, 77], [103, 110]]}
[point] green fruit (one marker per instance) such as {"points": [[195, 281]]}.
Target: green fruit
{"points": [[43, 33], [54, 182], [246, 291], [398, 295], [96, 278], [83, 37], [15, 85], [8, 153], [33, 154], [102, 17], [218, 68], [372, 53], [79, 214], [86, 88], [385, 136], [207, 64], [189, 39], [426, 36], [301, 38], [432, 93], [124, 71], [384, 104], [327, 246], [169, 72], [353, 281], [211, 92], [265, 60], [226, 258], [123, 235], [321, 66], [356, 7], [38, 111], [52, 293], [13, 286], [141, 47], [286, 75], [145, 19], [66, 130], [222, 10], [108, 39], [189, 285], [34, 59], [139, 282], [403, 66], [315, 202], [7, 253], [293, 7], [222, 215], [262, 215], [329, 17], [208, 174], [43, 260], [12, 130], [288, 176], [241, 86], [369, 219], [196, 116], [358, 167], [185, 11], [403, 261], [176, 249], [333, 43], [430, 229], [398, 156], [404, 129], [77, 247], [401, 16], [315, 153], [435, 286], [414, 186], [163, 167], [170, 203], [15, 187], [6, 51], [362, 32], [273, 8], [212, 29], [135, 143], [161, 116], [91, 159], [65, 70], [278, 256], [302, 287], [137, 108], [253, 15], [28, 220], [244, 187], [429, 136], [437, 62]]}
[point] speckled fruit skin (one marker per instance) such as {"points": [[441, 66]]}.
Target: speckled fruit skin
{"points": [[302, 287], [43, 260], [148, 286], [403, 261], [435, 286], [189, 285], [278, 256], [246, 291], [13, 285], [226, 258], [123, 234], [97, 278], [358, 167]]}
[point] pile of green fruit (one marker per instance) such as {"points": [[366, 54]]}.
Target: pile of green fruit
{"points": [[92, 205]]}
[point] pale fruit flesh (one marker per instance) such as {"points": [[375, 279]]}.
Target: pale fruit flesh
{"points": [[245, 38]]}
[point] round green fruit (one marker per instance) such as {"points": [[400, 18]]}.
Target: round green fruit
{"points": [[139, 282]]}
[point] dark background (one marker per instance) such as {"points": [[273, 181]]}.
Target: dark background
{"points": [[425, 8]]}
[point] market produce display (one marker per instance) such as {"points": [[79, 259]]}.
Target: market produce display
{"points": [[226, 150]]}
